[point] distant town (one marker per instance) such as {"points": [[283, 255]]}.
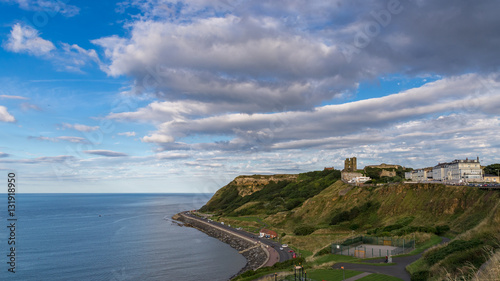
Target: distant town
{"points": [[456, 172]]}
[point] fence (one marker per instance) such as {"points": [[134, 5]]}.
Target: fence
{"points": [[368, 246]]}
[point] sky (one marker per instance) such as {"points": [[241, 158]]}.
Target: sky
{"points": [[182, 96]]}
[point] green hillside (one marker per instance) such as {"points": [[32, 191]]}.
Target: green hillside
{"points": [[311, 210]]}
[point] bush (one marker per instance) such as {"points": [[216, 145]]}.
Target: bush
{"points": [[475, 257], [441, 229], [437, 255], [304, 230], [293, 203], [420, 275], [354, 226], [340, 217], [324, 251]]}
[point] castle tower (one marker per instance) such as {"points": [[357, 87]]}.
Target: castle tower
{"points": [[350, 165]]}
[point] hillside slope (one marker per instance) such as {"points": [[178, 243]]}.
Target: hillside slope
{"points": [[404, 205], [315, 208]]}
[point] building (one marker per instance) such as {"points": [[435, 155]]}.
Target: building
{"points": [[268, 233], [420, 175], [329, 168], [458, 171], [439, 172], [350, 165], [491, 179], [359, 180], [465, 171], [387, 170], [349, 176]]}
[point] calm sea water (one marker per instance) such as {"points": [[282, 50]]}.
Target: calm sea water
{"points": [[112, 237]]}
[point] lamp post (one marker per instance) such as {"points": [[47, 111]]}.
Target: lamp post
{"points": [[275, 276], [343, 273]]}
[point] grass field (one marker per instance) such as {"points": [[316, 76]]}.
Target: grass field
{"points": [[337, 274], [379, 277], [330, 274], [431, 242]]}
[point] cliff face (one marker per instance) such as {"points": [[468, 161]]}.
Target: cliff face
{"points": [[273, 193], [247, 185], [243, 186]]}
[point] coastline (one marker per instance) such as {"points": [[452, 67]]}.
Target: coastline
{"points": [[253, 251]]}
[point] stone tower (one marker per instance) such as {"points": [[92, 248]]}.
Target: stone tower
{"points": [[350, 165]]}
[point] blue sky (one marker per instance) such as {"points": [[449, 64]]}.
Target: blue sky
{"points": [[182, 96]]}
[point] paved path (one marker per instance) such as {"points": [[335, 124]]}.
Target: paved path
{"points": [[359, 276], [275, 255], [398, 270]]}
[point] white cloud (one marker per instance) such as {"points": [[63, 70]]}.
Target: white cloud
{"points": [[41, 160], [62, 138], [25, 39], [13, 97], [80, 127], [106, 153], [127, 134], [73, 57], [5, 115], [465, 94], [25, 106], [158, 138], [254, 64], [50, 7]]}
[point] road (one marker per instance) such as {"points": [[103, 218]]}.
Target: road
{"points": [[283, 254]]}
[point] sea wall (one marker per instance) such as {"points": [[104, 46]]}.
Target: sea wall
{"points": [[254, 252]]}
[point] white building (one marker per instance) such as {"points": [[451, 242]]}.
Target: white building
{"points": [[466, 170], [359, 180], [459, 171], [420, 175]]}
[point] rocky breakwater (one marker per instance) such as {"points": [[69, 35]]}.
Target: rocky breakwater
{"points": [[253, 251]]}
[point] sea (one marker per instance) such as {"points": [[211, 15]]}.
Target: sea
{"points": [[111, 237]]}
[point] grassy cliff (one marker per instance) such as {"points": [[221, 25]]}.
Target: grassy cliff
{"points": [[313, 209]]}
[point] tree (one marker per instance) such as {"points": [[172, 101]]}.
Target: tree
{"points": [[492, 169]]}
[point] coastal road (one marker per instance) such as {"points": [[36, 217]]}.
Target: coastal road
{"points": [[283, 254]]}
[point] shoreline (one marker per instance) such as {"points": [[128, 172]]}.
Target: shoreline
{"points": [[253, 251]]}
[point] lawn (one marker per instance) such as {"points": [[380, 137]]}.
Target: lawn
{"points": [[335, 258], [379, 277], [431, 242], [330, 274], [337, 274]]}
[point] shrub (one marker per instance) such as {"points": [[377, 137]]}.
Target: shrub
{"points": [[420, 275], [292, 203], [304, 230], [340, 217], [437, 255], [354, 226], [324, 251], [441, 229]]}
